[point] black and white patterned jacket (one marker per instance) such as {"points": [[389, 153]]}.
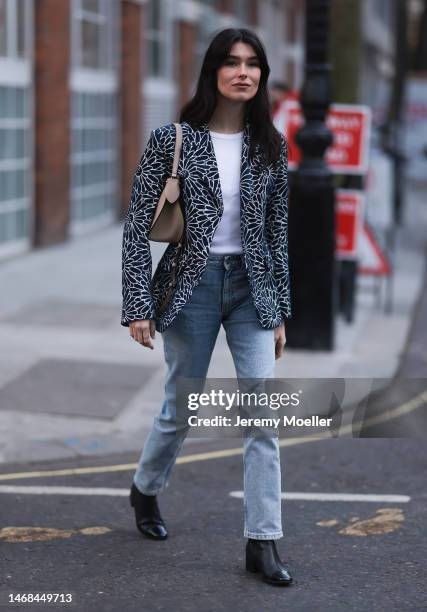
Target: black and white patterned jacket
{"points": [[264, 217]]}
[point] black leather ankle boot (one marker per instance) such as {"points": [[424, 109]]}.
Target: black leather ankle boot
{"points": [[147, 515], [262, 556]]}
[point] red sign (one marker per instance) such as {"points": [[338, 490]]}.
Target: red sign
{"points": [[350, 126], [348, 219], [372, 260]]}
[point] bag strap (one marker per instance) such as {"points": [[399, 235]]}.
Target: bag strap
{"points": [[177, 151]]}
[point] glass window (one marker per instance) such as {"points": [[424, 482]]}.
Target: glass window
{"points": [[15, 163], [90, 5], [90, 44], [14, 15], [21, 8], [94, 159], [94, 113], [3, 27], [95, 33], [15, 127], [155, 35]]}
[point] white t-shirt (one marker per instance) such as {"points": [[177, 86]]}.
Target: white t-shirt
{"points": [[228, 152]]}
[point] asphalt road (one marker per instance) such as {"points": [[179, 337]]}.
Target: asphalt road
{"points": [[367, 556]]}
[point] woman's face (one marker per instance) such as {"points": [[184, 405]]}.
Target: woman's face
{"points": [[238, 77]]}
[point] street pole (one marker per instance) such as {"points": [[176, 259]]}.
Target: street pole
{"points": [[312, 201], [346, 58]]}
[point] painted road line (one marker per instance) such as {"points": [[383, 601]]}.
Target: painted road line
{"points": [[345, 497], [108, 492], [97, 469], [126, 467], [407, 407], [22, 490]]}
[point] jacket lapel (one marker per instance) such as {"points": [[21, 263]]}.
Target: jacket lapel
{"points": [[245, 172]]}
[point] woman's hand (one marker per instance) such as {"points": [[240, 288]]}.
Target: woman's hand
{"points": [[143, 331], [279, 340]]}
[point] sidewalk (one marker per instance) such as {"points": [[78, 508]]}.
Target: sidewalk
{"points": [[73, 383]]}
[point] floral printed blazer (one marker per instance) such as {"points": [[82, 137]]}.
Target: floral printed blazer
{"points": [[264, 229]]}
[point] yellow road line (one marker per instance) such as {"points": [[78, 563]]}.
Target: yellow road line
{"points": [[404, 408], [125, 467]]}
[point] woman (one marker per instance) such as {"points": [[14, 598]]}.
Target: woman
{"points": [[231, 268]]}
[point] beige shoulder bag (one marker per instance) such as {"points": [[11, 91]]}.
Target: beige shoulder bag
{"points": [[168, 220]]}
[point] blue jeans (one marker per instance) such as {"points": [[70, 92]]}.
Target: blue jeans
{"points": [[222, 296]]}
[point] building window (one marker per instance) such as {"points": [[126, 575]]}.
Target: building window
{"points": [[94, 113], [94, 32], [94, 155], [13, 28], [15, 126], [15, 163], [156, 36], [159, 58], [3, 28]]}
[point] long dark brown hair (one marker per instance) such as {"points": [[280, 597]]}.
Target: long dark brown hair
{"points": [[200, 108]]}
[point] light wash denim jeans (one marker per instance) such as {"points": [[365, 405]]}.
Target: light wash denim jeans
{"points": [[222, 296]]}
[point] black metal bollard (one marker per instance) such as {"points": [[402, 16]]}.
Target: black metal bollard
{"points": [[312, 201]]}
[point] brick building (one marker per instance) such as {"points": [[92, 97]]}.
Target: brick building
{"points": [[82, 83]]}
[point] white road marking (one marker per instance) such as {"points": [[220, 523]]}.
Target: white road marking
{"points": [[347, 497]]}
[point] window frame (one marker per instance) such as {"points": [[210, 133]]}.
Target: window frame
{"points": [[106, 46], [12, 30]]}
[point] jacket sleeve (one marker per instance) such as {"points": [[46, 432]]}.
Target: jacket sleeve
{"points": [[277, 231], [148, 183]]}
